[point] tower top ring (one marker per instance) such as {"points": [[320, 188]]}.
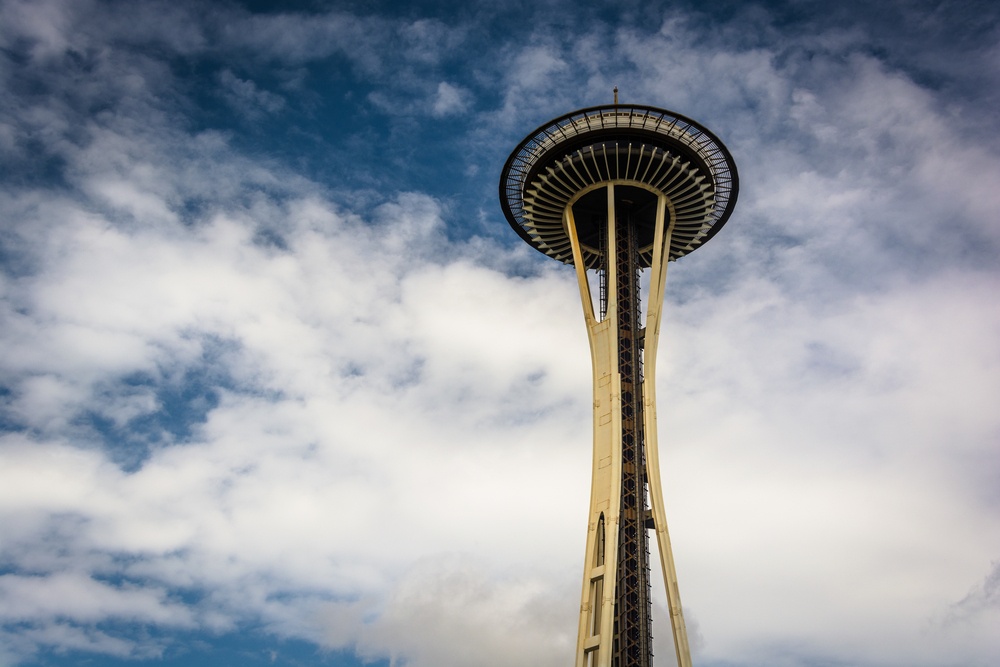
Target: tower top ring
{"points": [[638, 145]]}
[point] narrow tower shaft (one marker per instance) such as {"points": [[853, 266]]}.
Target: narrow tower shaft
{"points": [[615, 625], [633, 626], [620, 189]]}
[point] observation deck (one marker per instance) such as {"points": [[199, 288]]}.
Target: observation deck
{"points": [[643, 147]]}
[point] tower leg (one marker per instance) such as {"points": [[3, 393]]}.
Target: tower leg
{"points": [[597, 620], [658, 276]]}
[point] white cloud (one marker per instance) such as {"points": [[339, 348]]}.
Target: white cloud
{"points": [[80, 598], [247, 98], [44, 24], [350, 345], [429, 40], [449, 100], [388, 439], [836, 425]]}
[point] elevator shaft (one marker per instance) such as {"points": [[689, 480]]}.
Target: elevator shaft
{"points": [[632, 644]]}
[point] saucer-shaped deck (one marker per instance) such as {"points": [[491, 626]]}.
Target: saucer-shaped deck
{"points": [[643, 151]]}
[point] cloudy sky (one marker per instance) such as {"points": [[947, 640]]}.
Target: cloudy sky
{"points": [[280, 386]]}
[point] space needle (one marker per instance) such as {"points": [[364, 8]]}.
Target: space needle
{"points": [[618, 190]]}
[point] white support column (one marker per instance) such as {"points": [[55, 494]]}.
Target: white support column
{"points": [[658, 276], [596, 626]]}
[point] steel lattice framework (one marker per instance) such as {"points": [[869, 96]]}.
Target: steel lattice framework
{"points": [[619, 189]]}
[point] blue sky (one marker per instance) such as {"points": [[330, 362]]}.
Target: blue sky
{"points": [[279, 385]]}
